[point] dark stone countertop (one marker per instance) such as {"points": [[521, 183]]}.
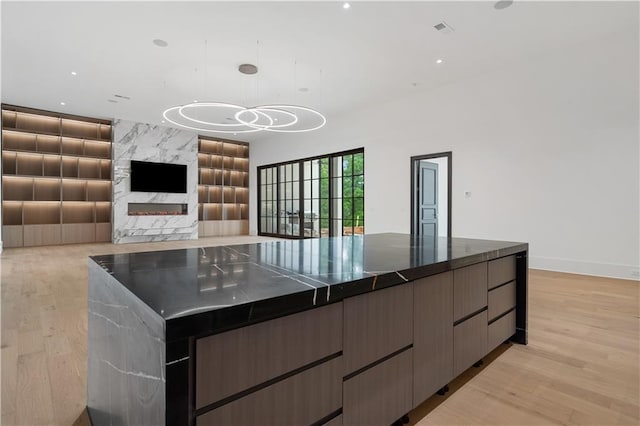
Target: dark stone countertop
{"points": [[203, 290]]}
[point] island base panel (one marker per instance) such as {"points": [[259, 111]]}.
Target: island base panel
{"points": [[382, 394], [302, 399], [126, 350]]}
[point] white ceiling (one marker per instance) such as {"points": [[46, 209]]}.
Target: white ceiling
{"points": [[347, 59]]}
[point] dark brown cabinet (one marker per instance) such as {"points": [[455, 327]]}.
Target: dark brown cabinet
{"points": [[376, 355], [377, 324], [264, 351], [469, 290], [432, 335], [381, 394], [301, 399], [469, 342]]}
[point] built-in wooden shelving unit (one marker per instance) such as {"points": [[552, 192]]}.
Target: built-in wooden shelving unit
{"points": [[56, 178], [223, 187]]}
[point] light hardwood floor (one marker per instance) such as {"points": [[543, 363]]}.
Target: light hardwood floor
{"points": [[581, 365]]}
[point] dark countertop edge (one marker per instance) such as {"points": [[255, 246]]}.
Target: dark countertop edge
{"points": [[217, 321]]}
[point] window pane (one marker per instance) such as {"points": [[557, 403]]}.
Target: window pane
{"points": [[346, 186], [296, 171], [307, 189], [306, 173], [324, 188], [358, 186], [347, 165], [358, 209], [358, 164], [337, 228], [324, 208], [337, 166], [336, 187], [315, 169], [295, 189], [347, 209]]}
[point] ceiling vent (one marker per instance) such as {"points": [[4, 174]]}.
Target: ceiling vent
{"points": [[127, 98], [443, 28]]}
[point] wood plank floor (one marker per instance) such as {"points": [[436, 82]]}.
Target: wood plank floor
{"points": [[581, 365]]}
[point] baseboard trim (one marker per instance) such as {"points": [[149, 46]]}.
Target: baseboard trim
{"points": [[609, 270]]}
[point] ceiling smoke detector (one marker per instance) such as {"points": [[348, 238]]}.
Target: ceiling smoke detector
{"points": [[443, 28], [248, 69]]}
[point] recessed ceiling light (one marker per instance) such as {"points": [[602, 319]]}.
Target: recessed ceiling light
{"points": [[438, 61], [74, 73], [502, 4], [248, 69], [195, 100], [303, 89], [163, 121], [62, 103], [346, 6], [160, 43]]}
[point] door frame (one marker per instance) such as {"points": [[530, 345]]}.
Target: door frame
{"points": [[413, 188]]}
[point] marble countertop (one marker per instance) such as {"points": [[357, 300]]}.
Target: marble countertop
{"points": [[242, 282]]}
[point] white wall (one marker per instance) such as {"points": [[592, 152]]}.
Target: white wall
{"points": [[443, 208], [548, 148]]}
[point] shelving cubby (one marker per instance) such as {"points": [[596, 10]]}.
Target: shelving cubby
{"points": [[56, 178], [223, 187]]}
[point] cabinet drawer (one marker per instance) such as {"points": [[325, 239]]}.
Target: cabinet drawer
{"points": [[501, 271], [432, 335], [377, 324], [469, 290], [251, 355], [469, 342], [501, 329], [502, 299], [302, 399], [381, 394]]}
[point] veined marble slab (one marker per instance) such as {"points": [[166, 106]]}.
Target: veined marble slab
{"points": [[146, 142], [126, 356]]}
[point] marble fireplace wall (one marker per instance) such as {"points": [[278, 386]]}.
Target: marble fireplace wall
{"points": [[146, 142]]}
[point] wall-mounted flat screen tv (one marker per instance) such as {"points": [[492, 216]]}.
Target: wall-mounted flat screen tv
{"points": [[158, 177]]}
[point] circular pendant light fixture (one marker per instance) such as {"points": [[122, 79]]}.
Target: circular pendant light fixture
{"points": [[268, 118], [224, 117]]}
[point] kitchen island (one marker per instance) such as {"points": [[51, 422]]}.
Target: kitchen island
{"points": [[346, 330]]}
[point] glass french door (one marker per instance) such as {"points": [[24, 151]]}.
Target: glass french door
{"points": [[313, 198]]}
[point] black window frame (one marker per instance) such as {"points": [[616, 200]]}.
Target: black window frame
{"points": [[301, 194]]}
